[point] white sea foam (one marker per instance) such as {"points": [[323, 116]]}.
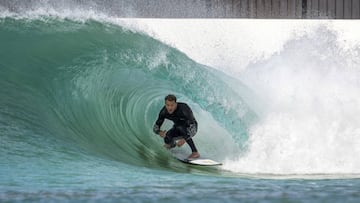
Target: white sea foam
{"points": [[305, 73]]}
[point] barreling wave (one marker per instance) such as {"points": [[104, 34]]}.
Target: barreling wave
{"points": [[98, 87]]}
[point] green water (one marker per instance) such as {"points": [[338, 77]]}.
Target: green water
{"points": [[77, 105]]}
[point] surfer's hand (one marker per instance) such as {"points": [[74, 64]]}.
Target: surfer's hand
{"points": [[162, 133]]}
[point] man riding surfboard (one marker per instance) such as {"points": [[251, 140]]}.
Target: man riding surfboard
{"points": [[185, 125]]}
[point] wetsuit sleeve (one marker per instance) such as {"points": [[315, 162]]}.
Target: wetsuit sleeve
{"points": [[191, 122], [190, 119], [159, 121]]}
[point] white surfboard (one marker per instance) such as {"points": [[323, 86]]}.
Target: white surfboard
{"points": [[181, 155], [201, 162]]}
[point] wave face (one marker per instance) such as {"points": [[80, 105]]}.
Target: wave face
{"points": [[95, 85], [98, 87]]}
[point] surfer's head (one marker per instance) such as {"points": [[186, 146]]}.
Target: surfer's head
{"points": [[170, 103]]}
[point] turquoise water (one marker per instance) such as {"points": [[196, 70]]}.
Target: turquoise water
{"points": [[78, 101]]}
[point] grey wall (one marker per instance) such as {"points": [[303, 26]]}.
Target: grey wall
{"points": [[333, 9], [317, 9]]}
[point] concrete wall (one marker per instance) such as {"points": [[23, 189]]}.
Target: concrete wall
{"points": [[333, 9]]}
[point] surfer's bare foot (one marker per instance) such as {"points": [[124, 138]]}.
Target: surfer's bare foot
{"points": [[194, 155], [180, 142]]}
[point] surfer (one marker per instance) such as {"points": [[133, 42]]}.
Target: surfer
{"points": [[185, 125]]}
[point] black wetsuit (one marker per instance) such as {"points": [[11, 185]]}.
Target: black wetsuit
{"points": [[185, 125]]}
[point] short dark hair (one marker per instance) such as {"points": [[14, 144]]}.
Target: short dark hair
{"points": [[170, 97]]}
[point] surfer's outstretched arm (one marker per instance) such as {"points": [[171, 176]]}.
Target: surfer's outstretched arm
{"points": [[159, 121]]}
